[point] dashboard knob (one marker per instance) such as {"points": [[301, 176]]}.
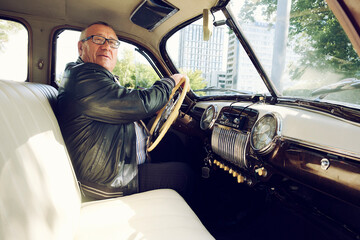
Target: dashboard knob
{"points": [[236, 120], [231, 171], [240, 178], [261, 172], [235, 174], [221, 165], [226, 168]]}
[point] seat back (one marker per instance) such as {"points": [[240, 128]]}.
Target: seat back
{"points": [[39, 194]]}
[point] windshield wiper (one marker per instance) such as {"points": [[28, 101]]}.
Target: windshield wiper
{"points": [[343, 85], [217, 89]]}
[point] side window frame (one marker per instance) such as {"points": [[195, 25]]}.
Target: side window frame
{"points": [[53, 53]]}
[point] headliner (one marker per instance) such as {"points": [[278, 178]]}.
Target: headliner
{"points": [[117, 13]]}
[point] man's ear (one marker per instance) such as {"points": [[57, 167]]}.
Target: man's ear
{"points": [[80, 47]]}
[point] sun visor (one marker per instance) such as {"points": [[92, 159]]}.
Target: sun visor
{"points": [[151, 13]]}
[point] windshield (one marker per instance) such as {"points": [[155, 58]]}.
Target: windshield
{"points": [[299, 43]]}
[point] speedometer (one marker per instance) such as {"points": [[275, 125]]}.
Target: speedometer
{"points": [[264, 133], [208, 117]]}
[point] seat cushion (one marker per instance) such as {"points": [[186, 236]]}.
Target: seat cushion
{"points": [[158, 214], [39, 194]]}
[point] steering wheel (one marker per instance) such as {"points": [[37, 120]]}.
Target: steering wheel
{"points": [[168, 113]]}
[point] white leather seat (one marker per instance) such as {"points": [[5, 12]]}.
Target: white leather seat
{"points": [[39, 193], [159, 214]]}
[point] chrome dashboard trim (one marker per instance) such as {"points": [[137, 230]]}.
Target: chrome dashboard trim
{"points": [[230, 144]]}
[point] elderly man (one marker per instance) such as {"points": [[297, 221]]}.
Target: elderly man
{"points": [[100, 123]]}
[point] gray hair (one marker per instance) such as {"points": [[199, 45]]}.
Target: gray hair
{"points": [[83, 32]]}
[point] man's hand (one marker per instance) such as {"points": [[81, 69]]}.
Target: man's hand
{"points": [[177, 77]]}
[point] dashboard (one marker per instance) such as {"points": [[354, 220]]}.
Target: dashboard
{"points": [[255, 141]]}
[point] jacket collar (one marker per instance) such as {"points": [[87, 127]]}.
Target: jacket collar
{"points": [[114, 77], [79, 60]]}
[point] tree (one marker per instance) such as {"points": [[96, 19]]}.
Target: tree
{"points": [[145, 75], [196, 79], [125, 69], [316, 34], [329, 47], [133, 74], [7, 28]]}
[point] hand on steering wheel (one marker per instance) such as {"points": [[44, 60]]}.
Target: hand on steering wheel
{"points": [[168, 113]]}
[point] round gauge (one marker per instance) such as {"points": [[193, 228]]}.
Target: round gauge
{"points": [[208, 117], [265, 130]]}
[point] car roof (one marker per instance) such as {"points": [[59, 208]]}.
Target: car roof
{"points": [[348, 14], [117, 13], [81, 13], [48, 16]]}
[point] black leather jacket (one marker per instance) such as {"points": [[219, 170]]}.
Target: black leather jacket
{"points": [[97, 116]]}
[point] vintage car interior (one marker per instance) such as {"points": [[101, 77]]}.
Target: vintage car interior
{"points": [[269, 122]]}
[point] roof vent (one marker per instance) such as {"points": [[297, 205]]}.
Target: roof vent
{"points": [[151, 13]]}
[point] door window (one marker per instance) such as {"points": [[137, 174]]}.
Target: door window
{"points": [[132, 68], [14, 46]]}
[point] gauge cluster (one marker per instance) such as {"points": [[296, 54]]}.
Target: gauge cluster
{"points": [[208, 118], [265, 132]]}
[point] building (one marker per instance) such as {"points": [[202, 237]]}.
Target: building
{"points": [[234, 69], [217, 79], [240, 72], [197, 54]]}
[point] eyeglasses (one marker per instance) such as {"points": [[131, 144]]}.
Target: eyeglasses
{"points": [[99, 40]]}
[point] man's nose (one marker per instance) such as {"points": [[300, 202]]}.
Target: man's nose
{"points": [[106, 45]]}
